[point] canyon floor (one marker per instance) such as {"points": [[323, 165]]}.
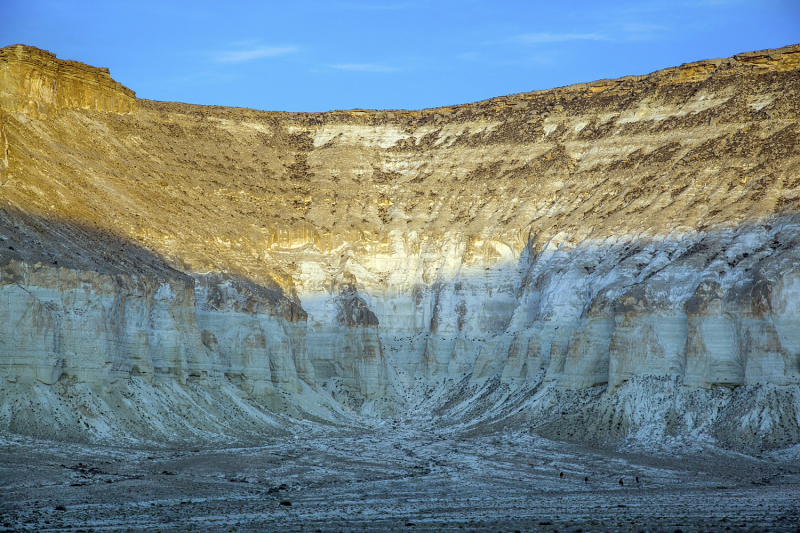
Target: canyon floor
{"points": [[399, 475]]}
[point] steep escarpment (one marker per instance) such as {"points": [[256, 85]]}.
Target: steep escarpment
{"points": [[35, 82], [552, 259]]}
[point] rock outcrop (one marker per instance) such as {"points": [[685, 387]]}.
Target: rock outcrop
{"points": [[33, 81], [533, 259]]}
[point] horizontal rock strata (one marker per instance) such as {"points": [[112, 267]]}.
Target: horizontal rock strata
{"points": [[564, 248]]}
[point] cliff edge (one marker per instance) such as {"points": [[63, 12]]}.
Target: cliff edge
{"points": [[615, 261], [34, 81]]}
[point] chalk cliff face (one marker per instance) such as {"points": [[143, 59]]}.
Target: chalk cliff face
{"points": [[559, 259]]}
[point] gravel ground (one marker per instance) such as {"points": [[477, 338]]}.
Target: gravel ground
{"points": [[397, 476]]}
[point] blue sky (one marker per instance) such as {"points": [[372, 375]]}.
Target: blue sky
{"points": [[314, 55]]}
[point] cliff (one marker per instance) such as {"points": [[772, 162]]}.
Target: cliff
{"points": [[552, 259], [33, 81]]}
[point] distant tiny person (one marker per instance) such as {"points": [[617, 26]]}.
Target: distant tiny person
{"points": [[586, 479], [561, 475], [621, 483]]}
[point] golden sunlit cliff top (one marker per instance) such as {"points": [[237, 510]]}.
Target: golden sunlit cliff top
{"points": [[90, 171]]}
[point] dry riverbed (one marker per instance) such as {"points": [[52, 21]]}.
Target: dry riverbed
{"points": [[398, 476]]}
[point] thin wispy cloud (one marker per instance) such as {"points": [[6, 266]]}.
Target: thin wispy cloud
{"points": [[365, 67], [495, 61], [470, 56], [634, 31], [536, 38], [240, 56], [637, 31], [639, 27], [361, 6]]}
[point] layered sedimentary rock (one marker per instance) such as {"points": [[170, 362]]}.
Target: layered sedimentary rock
{"points": [[573, 247], [34, 82]]}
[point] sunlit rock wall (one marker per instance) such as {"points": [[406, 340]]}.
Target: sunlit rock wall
{"points": [[35, 82], [568, 241]]}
